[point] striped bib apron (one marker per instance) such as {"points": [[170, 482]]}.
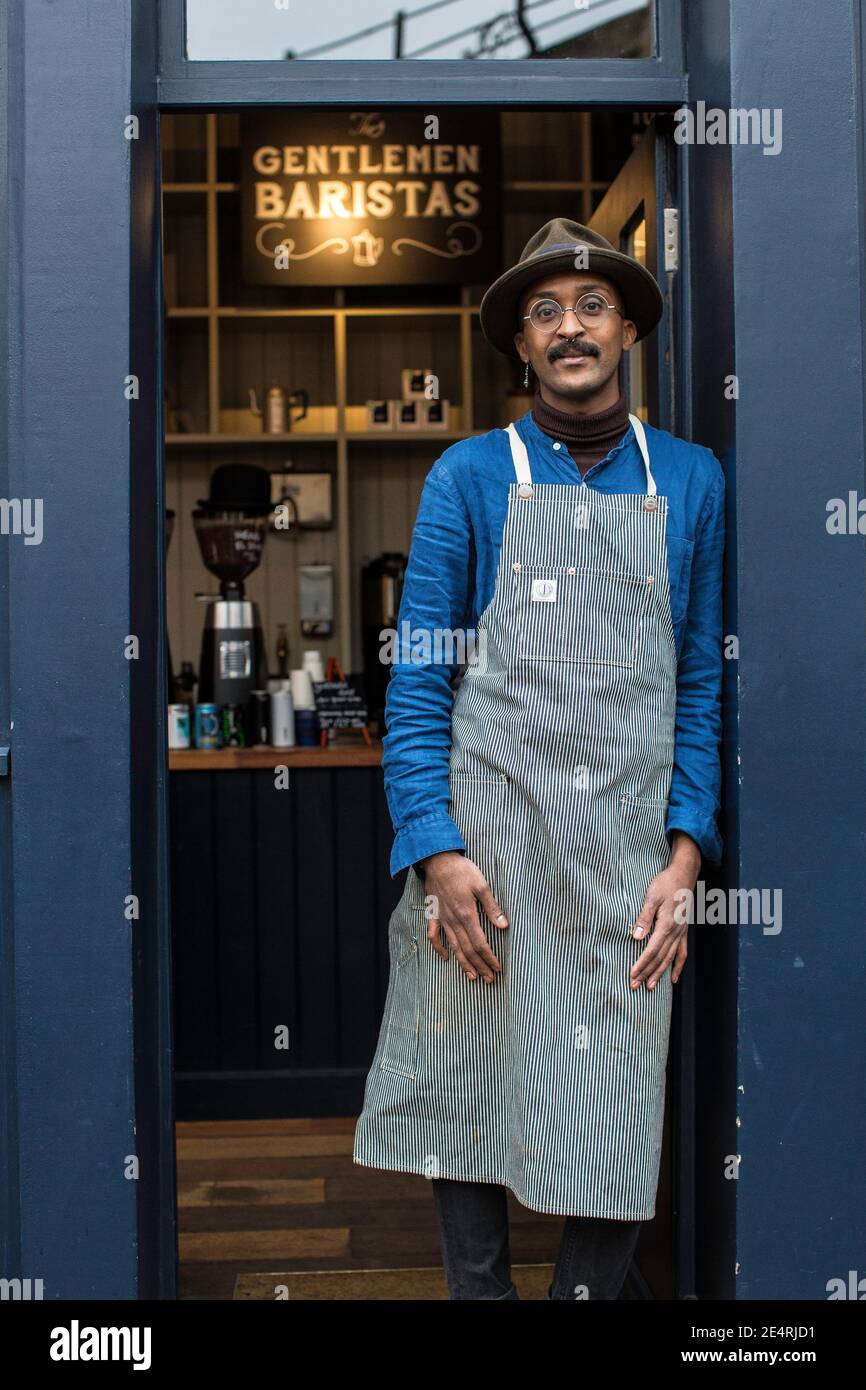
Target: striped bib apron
{"points": [[550, 1081]]}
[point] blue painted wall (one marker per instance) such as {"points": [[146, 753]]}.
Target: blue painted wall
{"points": [[9, 1226], [799, 300], [709, 418], [72, 1211], [152, 958], [85, 1047]]}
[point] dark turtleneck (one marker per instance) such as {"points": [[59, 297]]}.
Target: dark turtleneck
{"points": [[588, 438]]}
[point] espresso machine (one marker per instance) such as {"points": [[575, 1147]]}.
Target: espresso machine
{"points": [[231, 525]]}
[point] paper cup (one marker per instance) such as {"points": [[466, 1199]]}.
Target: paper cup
{"points": [[312, 662], [302, 690]]}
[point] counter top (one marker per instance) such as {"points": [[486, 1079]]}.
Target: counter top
{"points": [[233, 759]]}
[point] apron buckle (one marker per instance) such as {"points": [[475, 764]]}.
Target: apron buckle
{"points": [[650, 504], [524, 490]]}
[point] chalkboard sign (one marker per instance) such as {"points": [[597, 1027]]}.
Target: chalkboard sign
{"points": [[339, 706]]}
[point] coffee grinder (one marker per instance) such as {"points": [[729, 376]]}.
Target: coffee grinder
{"points": [[231, 526]]}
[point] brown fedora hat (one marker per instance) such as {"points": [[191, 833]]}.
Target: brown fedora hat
{"points": [[553, 249]]}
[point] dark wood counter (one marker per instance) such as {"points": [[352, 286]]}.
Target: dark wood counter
{"points": [[265, 757], [281, 896]]}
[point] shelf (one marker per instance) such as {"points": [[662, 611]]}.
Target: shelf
{"points": [[407, 436], [394, 311], [201, 187], [233, 441]]}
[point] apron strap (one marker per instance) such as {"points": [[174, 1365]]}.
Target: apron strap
{"points": [[519, 456], [642, 444]]}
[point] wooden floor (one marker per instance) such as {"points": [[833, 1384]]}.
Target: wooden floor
{"points": [[277, 1208]]}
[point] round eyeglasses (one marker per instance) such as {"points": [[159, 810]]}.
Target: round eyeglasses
{"points": [[546, 314]]}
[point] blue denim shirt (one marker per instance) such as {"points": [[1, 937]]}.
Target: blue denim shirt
{"points": [[450, 579]]}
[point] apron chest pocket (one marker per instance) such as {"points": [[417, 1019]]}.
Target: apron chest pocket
{"points": [[644, 848], [400, 1046], [596, 616]]}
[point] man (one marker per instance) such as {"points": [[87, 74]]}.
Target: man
{"points": [[550, 812]]}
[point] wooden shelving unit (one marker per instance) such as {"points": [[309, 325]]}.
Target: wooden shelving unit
{"points": [[556, 169], [214, 315]]}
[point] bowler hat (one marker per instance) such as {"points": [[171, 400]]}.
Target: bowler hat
{"points": [[554, 248]]}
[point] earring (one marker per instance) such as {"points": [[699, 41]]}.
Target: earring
{"points": [[526, 375]]}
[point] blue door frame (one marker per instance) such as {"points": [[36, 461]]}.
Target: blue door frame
{"points": [[85, 1051], [657, 81]]}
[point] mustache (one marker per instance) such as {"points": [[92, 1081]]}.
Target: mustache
{"points": [[569, 346]]}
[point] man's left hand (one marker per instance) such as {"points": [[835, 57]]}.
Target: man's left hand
{"points": [[667, 945]]}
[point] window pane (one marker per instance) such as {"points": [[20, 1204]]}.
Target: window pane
{"points": [[274, 29]]}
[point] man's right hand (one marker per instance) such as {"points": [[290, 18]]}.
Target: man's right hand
{"points": [[457, 886]]}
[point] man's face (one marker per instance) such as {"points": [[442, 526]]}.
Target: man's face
{"points": [[575, 362]]}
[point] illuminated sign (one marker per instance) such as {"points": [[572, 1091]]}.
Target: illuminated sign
{"points": [[366, 197]]}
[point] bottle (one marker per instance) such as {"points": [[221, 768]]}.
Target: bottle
{"points": [[283, 650], [275, 410], [186, 683]]}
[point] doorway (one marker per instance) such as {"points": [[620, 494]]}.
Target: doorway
{"points": [[276, 1000]]}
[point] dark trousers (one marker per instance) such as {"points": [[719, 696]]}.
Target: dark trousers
{"points": [[594, 1254]]}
